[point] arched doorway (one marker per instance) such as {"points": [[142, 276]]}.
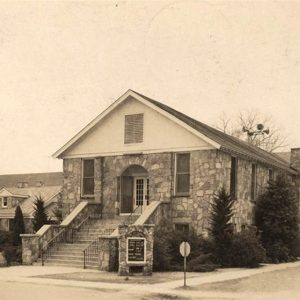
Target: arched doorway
{"points": [[134, 190]]}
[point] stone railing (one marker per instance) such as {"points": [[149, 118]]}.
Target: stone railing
{"points": [[155, 213], [32, 244]]}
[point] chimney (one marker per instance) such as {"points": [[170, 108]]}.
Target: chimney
{"points": [[295, 158]]}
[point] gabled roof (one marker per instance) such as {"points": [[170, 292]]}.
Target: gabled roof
{"points": [[4, 192], [48, 194], [32, 179], [284, 155], [214, 137]]}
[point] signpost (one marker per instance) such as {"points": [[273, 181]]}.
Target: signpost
{"points": [[136, 250], [185, 250]]}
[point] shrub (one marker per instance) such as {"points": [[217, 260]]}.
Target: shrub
{"points": [[161, 251], [221, 226], [202, 263], [245, 251], [277, 218], [166, 256], [18, 227], [12, 254], [40, 217], [5, 238]]}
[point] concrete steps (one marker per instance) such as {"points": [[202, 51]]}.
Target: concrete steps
{"points": [[71, 254]]}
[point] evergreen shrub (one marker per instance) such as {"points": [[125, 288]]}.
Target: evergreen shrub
{"points": [[166, 255], [40, 217], [277, 218], [245, 251]]}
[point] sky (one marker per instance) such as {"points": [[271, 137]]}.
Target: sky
{"points": [[63, 63]]}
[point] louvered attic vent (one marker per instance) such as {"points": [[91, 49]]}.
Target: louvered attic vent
{"points": [[134, 129]]}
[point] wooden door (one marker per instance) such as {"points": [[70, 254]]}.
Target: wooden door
{"points": [[126, 194]]}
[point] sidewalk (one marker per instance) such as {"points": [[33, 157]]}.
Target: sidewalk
{"points": [[25, 274]]}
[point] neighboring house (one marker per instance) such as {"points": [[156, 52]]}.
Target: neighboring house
{"points": [[139, 151], [22, 189]]}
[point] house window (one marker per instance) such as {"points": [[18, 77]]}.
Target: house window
{"points": [[253, 182], [271, 175], [4, 201], [182, 228], [134, 129], [88, 177], [182, 173], [233, 177]]}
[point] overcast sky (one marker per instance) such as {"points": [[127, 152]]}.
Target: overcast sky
{"points": [[62, 63]]}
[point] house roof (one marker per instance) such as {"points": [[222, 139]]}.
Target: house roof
{"points": [[47, 179], [48, 194], [284, 155], [216, 138]]}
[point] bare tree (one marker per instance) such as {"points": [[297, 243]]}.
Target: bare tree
{"points": [[243, 123]]}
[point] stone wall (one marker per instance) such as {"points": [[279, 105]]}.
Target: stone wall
{"points": [[30, 248], [108, 253], [159, 167], [209, 171], [107, 171], [126, 231], [71, 184]]}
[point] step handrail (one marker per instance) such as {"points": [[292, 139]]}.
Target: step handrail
{"points": [[88, 249], [126, 221], [46, 250]]}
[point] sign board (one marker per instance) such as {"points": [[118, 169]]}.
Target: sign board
{"points": [[136, 250], [185, 249]]}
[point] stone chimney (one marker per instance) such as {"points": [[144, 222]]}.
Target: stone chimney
{"points": [[295, 158]]}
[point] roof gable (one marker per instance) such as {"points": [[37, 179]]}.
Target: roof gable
{"points": [[212, 136], [115, 105], [6, 193]]}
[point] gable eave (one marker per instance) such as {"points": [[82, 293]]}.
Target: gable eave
{"points": [[10, 194], [59, 152]]}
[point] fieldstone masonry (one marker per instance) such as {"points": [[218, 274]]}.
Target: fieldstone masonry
{"points": [[159, 171], [71, 184], [125, 232], [30, 248], [209, 171], [108, 253]]}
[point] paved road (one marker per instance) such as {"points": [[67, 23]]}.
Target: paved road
{"points": [[29, 291], [278, 282]]}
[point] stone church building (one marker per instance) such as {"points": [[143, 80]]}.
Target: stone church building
{"points": [[143, 161]]}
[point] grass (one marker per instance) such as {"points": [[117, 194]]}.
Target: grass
{"points": [[110, 277]]}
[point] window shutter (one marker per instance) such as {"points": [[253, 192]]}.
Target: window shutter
{"points": [[134, 129]]}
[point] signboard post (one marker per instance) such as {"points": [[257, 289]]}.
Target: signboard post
{"points": [[185, 250]]}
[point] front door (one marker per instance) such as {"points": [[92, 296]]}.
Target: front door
{"points": [[141, 193], [127, 194]]}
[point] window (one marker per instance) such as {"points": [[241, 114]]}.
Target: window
{"points": [[88, 177], [4, 202], [271, 175], [253, 182], [182, 228], [182, 173], [233, 177], [134, 129]]}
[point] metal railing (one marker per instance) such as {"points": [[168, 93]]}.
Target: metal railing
{"points": [[68, 232], [91, 252], [53, 244]]}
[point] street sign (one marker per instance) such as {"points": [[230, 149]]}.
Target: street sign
{"points": [[184, 250]]}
